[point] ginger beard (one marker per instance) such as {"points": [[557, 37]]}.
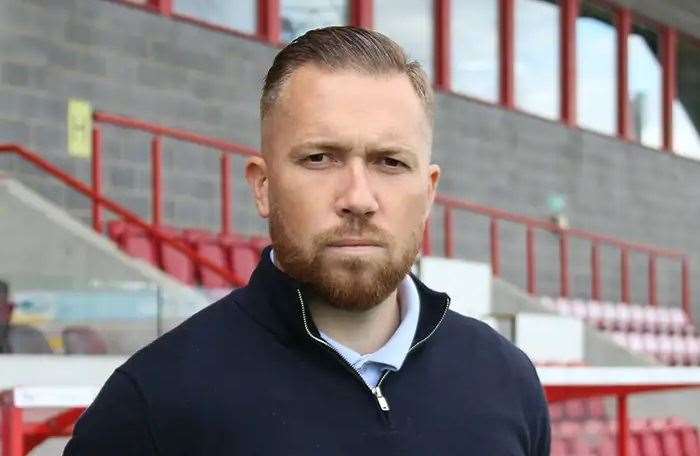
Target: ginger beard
{"points": [[349, 282]]}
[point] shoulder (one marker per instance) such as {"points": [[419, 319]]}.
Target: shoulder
{"points": [[487, 348], [200, 337]]}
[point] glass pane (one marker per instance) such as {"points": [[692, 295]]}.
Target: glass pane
{"points": [[474, 44], [240, 15], [104, 318], [596, 81], [645, 85], [409, 23], [537, 57], [300, 16], [686, 107]]}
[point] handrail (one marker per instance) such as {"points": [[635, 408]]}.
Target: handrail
{"points": [[449, 204], [34, 158]]}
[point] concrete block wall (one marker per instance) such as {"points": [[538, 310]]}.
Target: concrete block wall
{"points": [[127, 61]]}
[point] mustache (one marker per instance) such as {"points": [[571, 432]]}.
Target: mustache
{"points": [[365, 231]]}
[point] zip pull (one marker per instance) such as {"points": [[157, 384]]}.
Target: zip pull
{"points": [[383, 403]]}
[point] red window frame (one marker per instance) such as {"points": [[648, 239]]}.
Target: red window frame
{"points": [[361, 14]]}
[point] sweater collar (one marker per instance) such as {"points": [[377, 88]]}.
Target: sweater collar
{"points": [[276, 301]]}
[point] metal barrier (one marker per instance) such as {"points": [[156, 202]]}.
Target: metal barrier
{"points": [[99, 202], [449, 205], [596, 240]]}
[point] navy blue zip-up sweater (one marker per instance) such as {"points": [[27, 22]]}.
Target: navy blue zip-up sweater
{"points": [[249, 375]]}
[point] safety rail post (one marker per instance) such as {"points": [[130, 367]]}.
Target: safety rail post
{"points": [[442, 42], [449, 232], [625, 275], [156, 180], [652, 280], [623, 425], [564, 289], [495, 248], [685, 285], [225, 193], [595, 271], [427, 244], [531, 261], [96, 165], [12, 436]]}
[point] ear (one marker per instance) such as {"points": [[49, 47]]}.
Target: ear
{"points": [[256, 175], [434, 173]]}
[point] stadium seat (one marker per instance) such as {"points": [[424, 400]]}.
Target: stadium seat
{"points": [[139, 245], [175, 262], [82, 340], [259, 243], [649, 443], [214, 252], [670, 442], [27, 339], [692, 344], [243, 257], [689, 441]]}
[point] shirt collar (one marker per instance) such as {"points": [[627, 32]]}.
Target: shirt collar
{"points": [[393, 353]]}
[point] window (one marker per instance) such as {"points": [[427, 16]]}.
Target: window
{"points": [[645, 83], [475, 49], [240, 15], [686, 106], [596, 79], [410, 24], [300, 16], [537, 57]]}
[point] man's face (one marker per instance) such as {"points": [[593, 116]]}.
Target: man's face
{"points": [[346, 182]]}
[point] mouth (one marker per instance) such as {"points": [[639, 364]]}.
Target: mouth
{"points": [[354, 246]]}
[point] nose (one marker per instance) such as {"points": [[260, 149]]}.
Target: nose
{"points": [[356, 196]]}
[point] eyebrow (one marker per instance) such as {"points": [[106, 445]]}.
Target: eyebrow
{"points": [[344, 148]]}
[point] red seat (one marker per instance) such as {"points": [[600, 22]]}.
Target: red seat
{"points": [[215, 253], [259, 243], [243, 258], [139, 246], [596, 409], [649, 443], [670, 443], [575, 409], [175, 262], [83, 340], [689, 440]]}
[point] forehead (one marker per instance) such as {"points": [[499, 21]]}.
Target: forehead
{"points": [[348, 104]]}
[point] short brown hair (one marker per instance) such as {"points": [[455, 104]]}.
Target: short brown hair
{"points": [[344, 47]]}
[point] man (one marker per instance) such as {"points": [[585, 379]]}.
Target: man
{"points": [[6, 307], [333, 348]]}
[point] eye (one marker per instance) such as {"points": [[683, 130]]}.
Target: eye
{"points": [[392, 163], [316, 158]]}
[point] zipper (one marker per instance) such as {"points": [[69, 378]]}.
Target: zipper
{"points": [[377, 390], [416, 345]]}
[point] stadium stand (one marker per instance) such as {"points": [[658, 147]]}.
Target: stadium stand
{"points": [[663, 333]]}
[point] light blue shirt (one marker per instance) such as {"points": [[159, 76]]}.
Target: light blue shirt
{"points": [[392, 354]]}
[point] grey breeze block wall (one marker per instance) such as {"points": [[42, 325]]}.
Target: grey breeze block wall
{"points": [[131, 62]]}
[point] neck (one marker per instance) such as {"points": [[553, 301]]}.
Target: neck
{"points": [[364, 332]]}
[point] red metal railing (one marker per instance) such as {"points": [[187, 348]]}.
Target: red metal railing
{"points": [[449, 205], [597, 241], [100, 202]]}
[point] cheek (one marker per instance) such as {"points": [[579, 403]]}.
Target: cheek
{"points": [[300, 208]]}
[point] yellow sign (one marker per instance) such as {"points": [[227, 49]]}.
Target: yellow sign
{"points": [[79, 128]]}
